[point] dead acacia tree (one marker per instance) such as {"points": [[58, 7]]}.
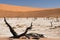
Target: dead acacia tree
{"points": [[15, 35]]}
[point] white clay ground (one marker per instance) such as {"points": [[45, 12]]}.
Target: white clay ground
{"points": [[50, 27]]}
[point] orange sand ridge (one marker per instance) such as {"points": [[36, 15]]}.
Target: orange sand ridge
{"points": [[7, 7], [23, 11]]}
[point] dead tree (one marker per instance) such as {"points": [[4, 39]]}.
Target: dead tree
{"points": [[35, 35], [51, 24], [24, 34], [10, 28], [15, 35], [57, 19]]}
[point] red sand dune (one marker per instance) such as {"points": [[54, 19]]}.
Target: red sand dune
{"points": [[23, 11], [7, 7]]}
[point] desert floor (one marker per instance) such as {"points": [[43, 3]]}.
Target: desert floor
{"points": [[31, 39]]}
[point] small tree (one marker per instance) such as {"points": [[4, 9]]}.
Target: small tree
{"points": [[57, 19], [51, 23]]}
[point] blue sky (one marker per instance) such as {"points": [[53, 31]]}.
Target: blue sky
{"points": [[33, 3]]}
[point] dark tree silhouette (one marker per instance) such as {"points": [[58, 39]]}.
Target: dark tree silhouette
{"points": [[14, 33], [11, 29], [35, 35]]}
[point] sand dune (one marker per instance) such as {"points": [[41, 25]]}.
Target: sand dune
{"points": [[18, 8], [43, 13], [23, 11]]}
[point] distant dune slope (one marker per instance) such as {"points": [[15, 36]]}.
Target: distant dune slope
{"points": [[7, 7], [20, 11]]}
